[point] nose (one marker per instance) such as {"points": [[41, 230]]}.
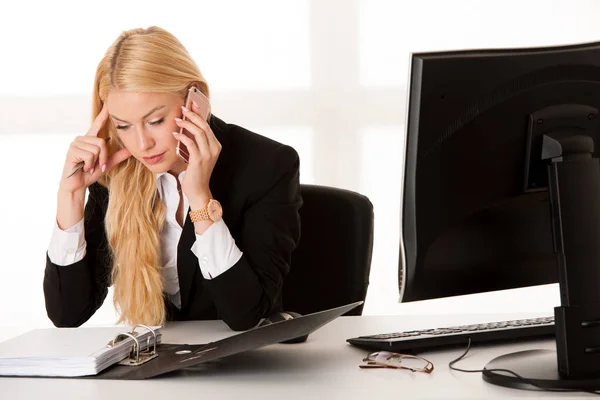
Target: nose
{"points": [[145, 140]]}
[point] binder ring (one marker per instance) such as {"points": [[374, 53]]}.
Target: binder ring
{"points": [[136, 346], [119, 338], [141, 357], [148, 341]]}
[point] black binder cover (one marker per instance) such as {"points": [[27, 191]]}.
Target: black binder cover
{"points": [[168, 360]]}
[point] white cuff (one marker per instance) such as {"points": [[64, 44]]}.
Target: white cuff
{"points": [[216, 250], [68, 246]]}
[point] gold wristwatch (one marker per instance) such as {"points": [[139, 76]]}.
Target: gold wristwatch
{"points": [[211, 211]]}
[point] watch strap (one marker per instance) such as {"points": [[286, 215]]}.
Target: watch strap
{"points": [[199, 215]]}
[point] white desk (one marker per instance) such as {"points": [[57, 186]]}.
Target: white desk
{"points": [[325, 367]]}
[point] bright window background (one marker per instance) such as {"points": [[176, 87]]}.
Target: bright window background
{"points": [[325, 76]]}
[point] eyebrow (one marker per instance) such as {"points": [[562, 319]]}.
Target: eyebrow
{"points": [[144, 117]]}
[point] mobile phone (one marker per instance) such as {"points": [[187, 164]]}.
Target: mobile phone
{"points": [[194, 94]]}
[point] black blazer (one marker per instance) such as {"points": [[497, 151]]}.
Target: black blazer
{"points": [[257, 182]]}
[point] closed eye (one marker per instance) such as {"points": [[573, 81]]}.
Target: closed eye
{"points": [[157, 122]]}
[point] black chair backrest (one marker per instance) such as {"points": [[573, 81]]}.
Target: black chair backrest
{"points": [[331, 265]]}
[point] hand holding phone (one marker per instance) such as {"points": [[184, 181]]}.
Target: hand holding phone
{"points": [[199, 147], [194, 95]]}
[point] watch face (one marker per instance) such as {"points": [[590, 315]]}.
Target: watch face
{"points": [[215, 212]]}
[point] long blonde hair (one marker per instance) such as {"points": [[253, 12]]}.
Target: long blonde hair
{"points": [[140, 60]]}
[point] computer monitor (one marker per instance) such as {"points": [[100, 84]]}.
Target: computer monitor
{"points": [[502, 190], [476, 212]]}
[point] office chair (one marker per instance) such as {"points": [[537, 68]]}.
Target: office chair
{"points": [[331, 265]]}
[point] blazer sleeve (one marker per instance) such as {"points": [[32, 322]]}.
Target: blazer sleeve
{"points": [[74, 292], [270, 231]]}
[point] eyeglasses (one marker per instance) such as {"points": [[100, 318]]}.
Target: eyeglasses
{"points": [[386, 359]]}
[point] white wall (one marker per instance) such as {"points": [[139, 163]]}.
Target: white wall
{"points": [[325, 76]]}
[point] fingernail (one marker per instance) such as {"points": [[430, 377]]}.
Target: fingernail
{"points": [[184, 108], [92, 171], [175, 133], [178, 119], [104, 168]]}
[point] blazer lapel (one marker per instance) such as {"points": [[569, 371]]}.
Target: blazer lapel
{"points": [[187, 263]]}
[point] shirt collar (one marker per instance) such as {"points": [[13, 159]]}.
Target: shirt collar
{"points": [[161, 174]]}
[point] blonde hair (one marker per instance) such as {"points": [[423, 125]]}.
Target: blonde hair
{"points": [[140, 60]]}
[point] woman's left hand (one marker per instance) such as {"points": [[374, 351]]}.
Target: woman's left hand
{"points": [[204, 150]]}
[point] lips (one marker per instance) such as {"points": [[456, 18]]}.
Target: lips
{"points": [[154, 159]]}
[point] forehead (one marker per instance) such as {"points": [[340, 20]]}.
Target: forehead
{"points": [[133, 105]]}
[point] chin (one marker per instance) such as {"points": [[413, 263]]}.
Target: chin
{"points": [[158, 168]]}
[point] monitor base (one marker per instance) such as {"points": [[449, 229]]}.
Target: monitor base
{"points": [[537, 366]]}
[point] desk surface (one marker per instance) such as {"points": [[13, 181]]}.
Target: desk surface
{"points": [[323, 367]]}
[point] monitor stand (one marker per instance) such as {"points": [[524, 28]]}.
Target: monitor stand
{"points": [[536, 366], [574, 192]]}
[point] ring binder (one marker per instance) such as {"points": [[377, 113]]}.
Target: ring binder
{"points": [[84, 353], [141, 357]]}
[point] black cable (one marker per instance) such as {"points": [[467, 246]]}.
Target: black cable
{"points": [[525, 380]]}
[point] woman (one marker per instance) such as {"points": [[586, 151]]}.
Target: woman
{"points": [[151, 225]]}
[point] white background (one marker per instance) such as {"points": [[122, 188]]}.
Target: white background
{"points": [[325, 76]]}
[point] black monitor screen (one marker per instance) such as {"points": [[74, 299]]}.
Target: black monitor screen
{"points": [[476, 215]]}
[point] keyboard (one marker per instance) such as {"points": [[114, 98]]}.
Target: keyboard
{"points": [[430, 339]]}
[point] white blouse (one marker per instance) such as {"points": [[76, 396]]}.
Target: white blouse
{"points": [[215, 248]]}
